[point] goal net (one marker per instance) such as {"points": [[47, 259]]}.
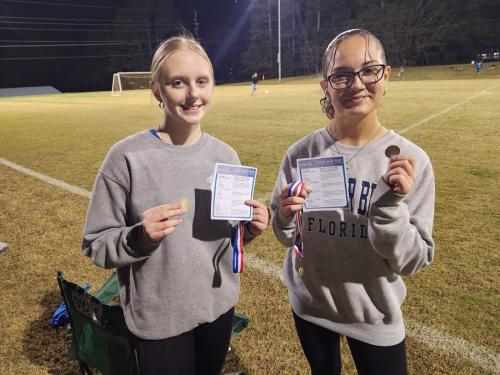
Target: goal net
{"points": [[129, 81]]}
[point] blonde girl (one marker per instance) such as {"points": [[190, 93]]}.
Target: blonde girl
{"points": [[149, 218]]}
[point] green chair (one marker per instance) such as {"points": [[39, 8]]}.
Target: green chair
{"points": [[101, 339]]}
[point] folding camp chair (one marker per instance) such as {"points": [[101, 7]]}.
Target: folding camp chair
{"points": [[101, 339]]}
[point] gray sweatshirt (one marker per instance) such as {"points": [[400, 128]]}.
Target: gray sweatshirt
{"points": [[353, 257], [170, 287]]}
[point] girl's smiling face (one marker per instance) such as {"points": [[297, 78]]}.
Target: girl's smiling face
{"points": [[359, 99], [185, 87]]}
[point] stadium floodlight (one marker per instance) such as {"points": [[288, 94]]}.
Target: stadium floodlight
{"points": [[129, 81]]}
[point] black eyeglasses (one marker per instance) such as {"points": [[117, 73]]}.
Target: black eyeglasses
{"points": [[368, 75]]}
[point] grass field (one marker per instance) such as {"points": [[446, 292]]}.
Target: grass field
{"points": [[66, 137]]}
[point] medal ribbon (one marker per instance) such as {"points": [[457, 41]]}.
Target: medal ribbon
{"points": [[297, 235], [238, 251], [296, 189]]}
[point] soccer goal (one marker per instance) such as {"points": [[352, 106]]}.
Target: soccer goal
{"points": [[129, 81]]}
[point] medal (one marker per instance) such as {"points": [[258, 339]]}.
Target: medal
{"points": [[185, 204], [301, 271], [392, 151]]}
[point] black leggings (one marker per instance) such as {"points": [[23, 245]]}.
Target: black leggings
{"points": [[322, 349], [201, 351]]}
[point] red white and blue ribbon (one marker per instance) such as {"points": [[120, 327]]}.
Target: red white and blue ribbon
{"points": [[298, 246], [237, 234], [296, 189]]}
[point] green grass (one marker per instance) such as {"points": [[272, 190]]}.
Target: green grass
{"points": [[447, 72], [66, 137]]}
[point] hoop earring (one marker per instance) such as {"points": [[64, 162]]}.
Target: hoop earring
{"points": [[161, 105]]}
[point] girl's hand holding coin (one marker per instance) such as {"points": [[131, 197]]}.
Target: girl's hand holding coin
{"points": [[160, 221], [400, 174]]}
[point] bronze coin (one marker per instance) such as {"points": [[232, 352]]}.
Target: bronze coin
{"points": [[392, 151], [185, 203], [301, 271]]}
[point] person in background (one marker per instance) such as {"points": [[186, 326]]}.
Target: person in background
{"points": [[255, 81], [479, 66], [401, 73]]}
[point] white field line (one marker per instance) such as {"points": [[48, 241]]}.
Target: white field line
{"points": [[264, 266], [446, 110], [479, 355], [430, 337], [45, 178]]}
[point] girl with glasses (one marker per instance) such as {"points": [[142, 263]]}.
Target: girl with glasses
{"points": [[344, 268]]}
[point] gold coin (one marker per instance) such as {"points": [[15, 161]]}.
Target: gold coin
{"points": [[392, 151], [185, 203], [301, 271]]}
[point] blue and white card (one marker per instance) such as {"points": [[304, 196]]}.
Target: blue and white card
{"points": [[328, 182], [232, 186]]}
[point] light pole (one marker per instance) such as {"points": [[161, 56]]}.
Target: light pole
{"points": [[279, 40]]}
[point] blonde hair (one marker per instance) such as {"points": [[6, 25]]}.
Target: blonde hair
{"points": [[329, 60], [168, 47]]}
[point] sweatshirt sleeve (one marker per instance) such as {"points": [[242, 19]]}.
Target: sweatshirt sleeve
{"points": [[283, 227], [400, 227], [107, 239]]}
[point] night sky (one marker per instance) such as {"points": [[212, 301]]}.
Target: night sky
{"points": [[223, 31], [27, 27]]}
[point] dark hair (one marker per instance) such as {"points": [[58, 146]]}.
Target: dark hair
{"points": [[329, 60]]}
